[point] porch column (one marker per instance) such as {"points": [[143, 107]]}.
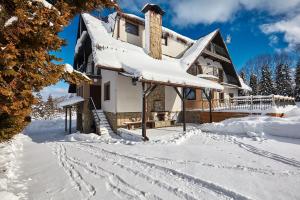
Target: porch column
{"points": [[183, 114], [208, 97], [70, 122], [144, 114], [66, 119], [210, 101]]}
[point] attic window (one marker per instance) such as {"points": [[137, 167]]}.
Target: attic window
{"points": [[164, 39], [132, 28]]}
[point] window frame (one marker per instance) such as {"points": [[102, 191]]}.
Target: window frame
{"points": [[127, 23], [107, 91], [187, 90]]}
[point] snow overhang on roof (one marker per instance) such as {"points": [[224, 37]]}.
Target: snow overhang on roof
{"points": [[114, 54], [71, 101], [244, 86]]}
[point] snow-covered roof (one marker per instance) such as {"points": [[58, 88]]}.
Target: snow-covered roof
{"points": [[194, 51], [207, 76], [71, 101], [111, 53], [244, 86]]}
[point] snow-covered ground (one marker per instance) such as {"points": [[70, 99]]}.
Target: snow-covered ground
{"points": [[44, 163]]}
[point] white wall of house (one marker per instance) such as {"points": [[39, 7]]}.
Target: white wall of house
{"points": [[129, 97], [173, 48], [109, 76], [172, 101]]}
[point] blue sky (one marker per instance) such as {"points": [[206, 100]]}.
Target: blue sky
{"points": [[251, 27]]}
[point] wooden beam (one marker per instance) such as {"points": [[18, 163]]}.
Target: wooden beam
{"points": [[144, 134], [150, 89], [70, 122], [66, 120], [209, 103], [179, 94]]}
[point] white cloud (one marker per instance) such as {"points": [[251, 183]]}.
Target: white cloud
{"points": [[54, 91], [289, 27], [203, 11], [273, 7]]}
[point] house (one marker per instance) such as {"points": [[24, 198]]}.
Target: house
{"points": [[143, 72]]}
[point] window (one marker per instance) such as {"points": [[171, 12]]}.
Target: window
{"points": [[107, 91], [231, 95], [132, 28], [164, 39], [221, 96], [190, 94], [221, 78]]}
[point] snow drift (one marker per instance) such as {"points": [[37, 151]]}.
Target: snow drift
{"points": [[258, 126]]}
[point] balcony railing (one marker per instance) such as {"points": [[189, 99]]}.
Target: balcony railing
{"points": [[251, 104], [259, 103]]}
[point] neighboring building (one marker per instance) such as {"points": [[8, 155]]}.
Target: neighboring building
{"points": [[113, 53]]}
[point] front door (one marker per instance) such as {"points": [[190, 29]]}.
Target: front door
{"points": [[95, 93]]}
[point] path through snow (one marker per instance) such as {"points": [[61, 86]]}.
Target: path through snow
{"points": [[200, 166]]}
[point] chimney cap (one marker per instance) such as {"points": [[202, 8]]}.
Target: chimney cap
{"points": [[153, 7]]}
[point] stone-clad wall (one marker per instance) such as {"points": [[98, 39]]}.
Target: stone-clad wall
{"points": [[156, 99], [155, 35]]}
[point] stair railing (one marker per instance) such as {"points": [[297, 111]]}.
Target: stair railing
{"points": [[94, 107]]}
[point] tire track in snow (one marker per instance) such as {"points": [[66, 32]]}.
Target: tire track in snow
{"points": [[268, 154], [86, 190], [196, 185], [261, 152], [114, 181], [211, 165], [176, 191]]}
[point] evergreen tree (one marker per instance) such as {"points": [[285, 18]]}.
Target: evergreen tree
{"points": [[283, 80], [253, 84], [38, 110], [288, 83], [49, 107], [26, 64], [266, 85], [297, 81], [279, 79]]}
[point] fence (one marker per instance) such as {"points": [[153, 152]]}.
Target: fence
{"points": [[251, 103]]}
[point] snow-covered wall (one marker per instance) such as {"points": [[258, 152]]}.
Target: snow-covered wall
{"points": [[173, 48], [109, 76], [129, 97]]}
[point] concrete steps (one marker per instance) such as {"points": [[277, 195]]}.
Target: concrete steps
{"points": [[102, 125]]}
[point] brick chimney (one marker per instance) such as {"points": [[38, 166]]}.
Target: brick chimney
{"points": [[153, 29]]}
